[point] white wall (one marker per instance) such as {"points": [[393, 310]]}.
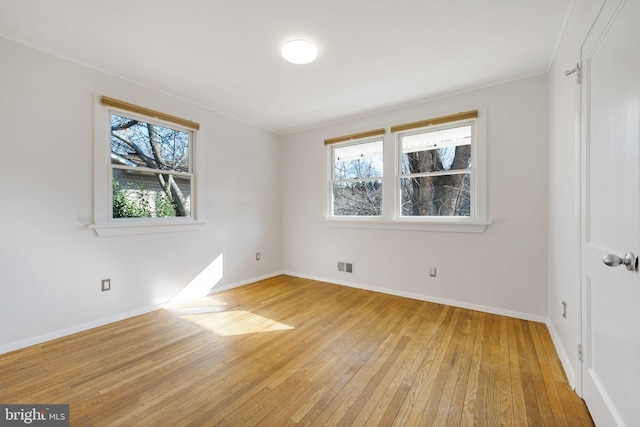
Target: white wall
{"points": [[564, 189], [51, 264], [502, 270]]}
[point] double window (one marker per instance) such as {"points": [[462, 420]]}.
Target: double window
{"points": [[436, 167]]}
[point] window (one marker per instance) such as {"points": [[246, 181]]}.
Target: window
{"points": [[355, 174], [439, 168], [145, 178], [151, 173], [357, 179], [436, 171]]}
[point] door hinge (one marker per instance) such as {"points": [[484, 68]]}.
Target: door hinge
{"points": [[580, 352], [577, 71]]}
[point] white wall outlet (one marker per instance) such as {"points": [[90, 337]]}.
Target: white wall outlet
{"points": [[257, 256], [433, 272], [106, 285]]}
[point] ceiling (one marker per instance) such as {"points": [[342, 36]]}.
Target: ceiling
{"points": [[225, 54]]}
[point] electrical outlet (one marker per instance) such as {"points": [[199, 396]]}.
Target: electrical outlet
{"points": [[257, 256], [564, 309], [106, 285], [433, 272]]}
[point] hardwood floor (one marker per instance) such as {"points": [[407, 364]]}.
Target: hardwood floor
{"points": [[291, 351]]}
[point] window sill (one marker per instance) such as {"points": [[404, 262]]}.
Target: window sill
{"points": [[134, 228], [412, 225]]}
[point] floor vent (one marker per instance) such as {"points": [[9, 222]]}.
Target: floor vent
{"points": [[345, 267]]}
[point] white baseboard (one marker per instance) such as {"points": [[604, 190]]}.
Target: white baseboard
{"points": [[215, 290], [77, 328], [444, 301], [17, 345], [563, 355]]}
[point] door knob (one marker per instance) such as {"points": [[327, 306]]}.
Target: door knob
{"points": [[630, 261]]}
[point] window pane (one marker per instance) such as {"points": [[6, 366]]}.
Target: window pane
{"points": [[142, 195], [442, 150], [358, 161], [136, 143], [444, 195], [363, 198]]}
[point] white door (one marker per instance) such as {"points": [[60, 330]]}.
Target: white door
{"points": [[611, 215]]}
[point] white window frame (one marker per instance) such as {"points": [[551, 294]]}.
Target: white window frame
{"points": [[331, 170], [104, 224], [391, 218], [471, 170]]}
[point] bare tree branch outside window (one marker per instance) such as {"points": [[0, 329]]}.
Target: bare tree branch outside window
{"points": [[151, 170], [357, 179]]}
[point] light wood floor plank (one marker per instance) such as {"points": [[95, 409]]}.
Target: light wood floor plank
{"points": [[506, 394], [470, 412], [287, 351]]}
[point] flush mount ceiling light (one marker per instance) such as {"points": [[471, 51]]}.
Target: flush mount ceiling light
{"points": [[299, 51]]}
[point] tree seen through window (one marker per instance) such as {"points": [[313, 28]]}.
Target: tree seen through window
{"points": [[150, 169]]}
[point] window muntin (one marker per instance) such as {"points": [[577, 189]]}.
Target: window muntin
{"points": [[150, 168], [436, 165], [356, 178]]}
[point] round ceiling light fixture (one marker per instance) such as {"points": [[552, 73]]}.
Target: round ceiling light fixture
{"points": [[299, 51]]}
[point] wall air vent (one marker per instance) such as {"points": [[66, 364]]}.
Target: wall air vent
{"points": [[345, 267]]}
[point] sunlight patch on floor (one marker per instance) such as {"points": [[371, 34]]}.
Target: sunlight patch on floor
{"points": [[236, 322]]}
